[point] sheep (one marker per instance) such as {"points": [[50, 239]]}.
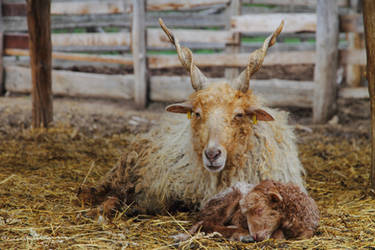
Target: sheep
{"points": [[281, 211], [269, 210], [230, 136]]}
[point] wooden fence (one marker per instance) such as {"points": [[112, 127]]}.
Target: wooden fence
{"points": [[119, 26]]}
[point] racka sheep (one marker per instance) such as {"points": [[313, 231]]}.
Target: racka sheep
{"points": [[269, 210], [230, 137]]}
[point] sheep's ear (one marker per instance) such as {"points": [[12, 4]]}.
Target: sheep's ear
{"points": [[259, 114], [181, 108], [275, 197]]}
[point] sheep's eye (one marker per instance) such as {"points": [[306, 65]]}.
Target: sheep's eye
{"points": [[197, 115], [239, 115]]}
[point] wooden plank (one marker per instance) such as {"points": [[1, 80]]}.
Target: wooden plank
{"points": [[174, 19], [276, 92], [357, 56], [70, 83], [124, 60], [234, 9], [85, 7], [91, 39], [234, 60], [158, 5], [267, 23], [369, 21], [310, 3], [326, 61], [351, 23], [2, 89], [353, 71], [354, 93], [39, 24], [139, 53], [156, 37], [16, 41]]}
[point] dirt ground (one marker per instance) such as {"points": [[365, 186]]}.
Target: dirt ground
{"points": [[40, 172]]}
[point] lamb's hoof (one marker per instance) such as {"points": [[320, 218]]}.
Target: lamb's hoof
{"points": [[247, 239]]}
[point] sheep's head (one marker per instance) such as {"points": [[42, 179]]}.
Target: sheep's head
{"points": [[222, 114]]}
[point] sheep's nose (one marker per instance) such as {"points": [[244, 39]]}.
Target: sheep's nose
{"points": [[212, 153]]}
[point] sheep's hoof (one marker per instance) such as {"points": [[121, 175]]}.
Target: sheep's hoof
{"points": [[247, 239]]}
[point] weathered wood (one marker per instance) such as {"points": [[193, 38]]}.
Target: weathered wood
{"points": [[369, 21], [16, 41], [175, 19], [70, 83], [111, 7], [266, 23], [1, 51], [156, 37], [234, 60], [353, 72], [124, 60], [234, 9], [354, 93], [357, 56], [351, 23], [276, 92], [91, 39], [326, 61], [291, 2], [39, 24], [139, 53]]}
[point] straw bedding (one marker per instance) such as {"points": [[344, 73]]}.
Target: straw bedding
{"points": [[40, 172]]}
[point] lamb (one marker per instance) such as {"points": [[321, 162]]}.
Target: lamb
{"points": [[280, 211], [269, 210], [229, 136]]}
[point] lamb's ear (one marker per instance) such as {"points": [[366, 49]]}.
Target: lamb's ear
{"points": [[275, 196], [182, 108], [260, 114]]}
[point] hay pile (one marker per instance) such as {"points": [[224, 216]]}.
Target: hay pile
{"points": [[40, 172]]}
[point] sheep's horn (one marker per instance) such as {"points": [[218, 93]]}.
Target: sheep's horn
{"points": [[198, 80], [242, 82]]}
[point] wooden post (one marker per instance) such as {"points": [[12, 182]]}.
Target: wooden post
{"points": [[39, 27], [369, 23], [353, 71], [327, 35], [233, 9], [2, 88], [139, 52]]}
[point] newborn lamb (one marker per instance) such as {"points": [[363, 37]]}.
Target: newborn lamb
{"points": [[269, 210]]}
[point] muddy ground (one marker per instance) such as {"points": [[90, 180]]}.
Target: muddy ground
{"points": [[40, 172]]}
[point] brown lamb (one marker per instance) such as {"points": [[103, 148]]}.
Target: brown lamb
{"points": [[269, 210]]}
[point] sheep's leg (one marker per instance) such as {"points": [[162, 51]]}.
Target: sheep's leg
{"points": [[229, 232]]}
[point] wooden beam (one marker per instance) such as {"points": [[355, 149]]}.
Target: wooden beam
{"points": [[234, 9], [139, 52], [354, 93], [276, 92], [2, 89], [369, 21], [38, 20], [326, 61], [14, 9], [68, 83], [16, 41], [311, 3], [267, 23]]}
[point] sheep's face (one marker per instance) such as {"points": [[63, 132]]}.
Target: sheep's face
{"points": [[221, 119], [262, 213]]}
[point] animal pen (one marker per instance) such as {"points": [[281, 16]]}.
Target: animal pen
{"points": [[115, 49]]}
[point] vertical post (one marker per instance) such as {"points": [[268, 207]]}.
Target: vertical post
{"points": [[369, 23], [39, 27], [327, 34], [139, 53], [2, 88], [353, 72], [233, 9]]}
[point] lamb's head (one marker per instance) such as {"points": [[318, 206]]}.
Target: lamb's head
{"points": [[222, 113]]}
